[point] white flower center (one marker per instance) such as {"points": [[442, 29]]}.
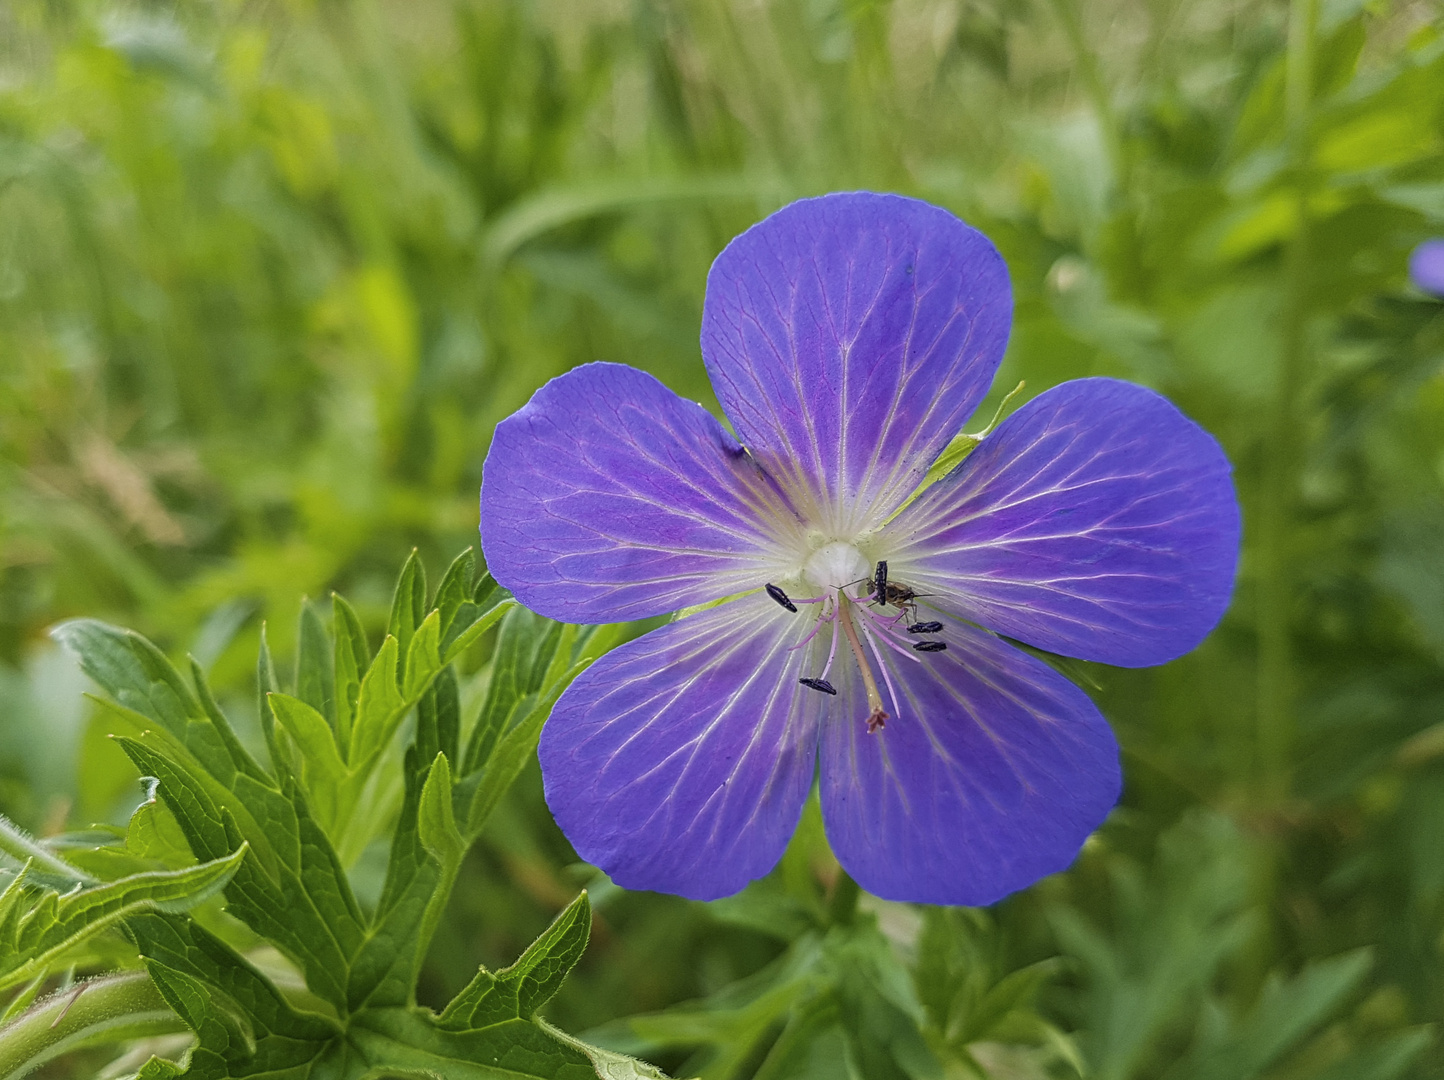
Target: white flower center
{"points": [[834, 565]]}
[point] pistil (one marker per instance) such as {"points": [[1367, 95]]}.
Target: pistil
{"points": [[877, 715]]}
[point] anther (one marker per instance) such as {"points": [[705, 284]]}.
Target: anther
{"points": [[925, 628], [879, 581], [930, 646], [819, 684], [781, 597]]}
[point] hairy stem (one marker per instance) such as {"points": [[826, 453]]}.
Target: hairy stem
{"points": [[102, 1010]]}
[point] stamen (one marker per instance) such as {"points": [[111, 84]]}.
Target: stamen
{"points": [[891, 691], [832, 650], [780, 596], [930, 646], [878, 715], [886, 626], [819, 684], [925, 628]]}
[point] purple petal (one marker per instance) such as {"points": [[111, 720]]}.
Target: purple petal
{"points": [[848, 338], [1097, 521], [992, 776], [607, 497], [680, 761], [1426, 267]]}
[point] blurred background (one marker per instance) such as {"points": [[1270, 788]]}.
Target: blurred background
{"points": [[271, 271]]}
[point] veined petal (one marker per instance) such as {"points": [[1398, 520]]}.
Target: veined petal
{"points": [[992, 777], [1097, 521], [607, 497], [848, 338], [680, 761]]}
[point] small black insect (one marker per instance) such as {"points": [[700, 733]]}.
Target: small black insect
{"points": [[887, 592], [781, 597], [925, 628], [930, 646], [819, 684]]}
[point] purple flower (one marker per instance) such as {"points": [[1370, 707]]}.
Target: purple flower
{"points": [[1426, 267], [848, 338]]}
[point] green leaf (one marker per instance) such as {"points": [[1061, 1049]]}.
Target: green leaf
{"points": [[408, 606], [353, 658], [518, 991], [138, 676], [244, 1026], [38, 925], [608, 1064], [523, 654], [515, 750], [322, 771], [266, 684], [455, 589], [423, 658], [315, 665], [302, 903], [24, 848], [470, 623], [380, 705]]}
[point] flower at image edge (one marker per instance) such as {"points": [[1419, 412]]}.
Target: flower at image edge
{"points": [[849, 338], [1426, 267]]}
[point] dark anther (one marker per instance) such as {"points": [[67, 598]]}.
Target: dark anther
{"points": [[930, 646], [925, 628], [819, 684], [879, 581], [781, 597]]}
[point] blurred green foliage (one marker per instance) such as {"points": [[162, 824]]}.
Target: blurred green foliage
{"points": [[270, 273]]}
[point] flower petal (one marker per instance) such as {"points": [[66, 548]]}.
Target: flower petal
{"points": [[607, 498], [680, 761], [992, 777], [848, 338], [1097, 521]]}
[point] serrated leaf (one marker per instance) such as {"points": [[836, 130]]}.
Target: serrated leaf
{"points": [[518, 991], [38, 925], [315, 665], [303, 902]]}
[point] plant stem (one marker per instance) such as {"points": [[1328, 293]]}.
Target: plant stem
{"points": [[98, 1011]]}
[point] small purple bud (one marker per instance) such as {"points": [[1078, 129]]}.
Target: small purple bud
{"points": [[1426, 267]]}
